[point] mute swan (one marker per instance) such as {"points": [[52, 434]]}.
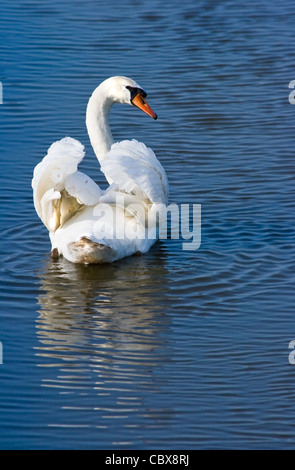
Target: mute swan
{"points": [[88, 225]]}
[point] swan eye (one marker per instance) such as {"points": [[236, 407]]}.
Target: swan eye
{"points": [[134, 91]]}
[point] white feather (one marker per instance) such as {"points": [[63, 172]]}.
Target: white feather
{"points": [[59, 189], [134, 167], [83, 189]]}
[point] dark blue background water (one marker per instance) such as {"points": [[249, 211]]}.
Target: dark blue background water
{"points": [[175, 349]]}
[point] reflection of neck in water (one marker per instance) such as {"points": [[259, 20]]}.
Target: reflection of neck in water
{"points": [[108, 319]]}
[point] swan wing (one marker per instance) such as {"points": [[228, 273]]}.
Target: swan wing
{"points": [[135, 169], [59, 189]]}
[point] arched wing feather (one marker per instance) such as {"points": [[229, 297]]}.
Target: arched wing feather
{"points": [[133, 168], [59, 189]]}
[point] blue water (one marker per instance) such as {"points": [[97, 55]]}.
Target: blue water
{"points": [[176, 349]]}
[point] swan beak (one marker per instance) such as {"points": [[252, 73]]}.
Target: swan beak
{"points": [[140, 102]]}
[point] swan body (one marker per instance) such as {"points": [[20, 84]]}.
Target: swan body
{"points": [[87, 225]]}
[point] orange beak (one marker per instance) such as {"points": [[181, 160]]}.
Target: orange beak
{"points": [[140, 102]]}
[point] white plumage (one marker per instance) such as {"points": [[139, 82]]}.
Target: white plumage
{"points": [[133, 166], [87, 225]]}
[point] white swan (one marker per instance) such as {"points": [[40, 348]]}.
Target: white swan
{"points": [[87, 225]]}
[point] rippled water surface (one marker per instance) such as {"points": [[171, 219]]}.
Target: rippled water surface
{"points": [[176, 349]]}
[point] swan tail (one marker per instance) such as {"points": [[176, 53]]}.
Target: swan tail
{"points": [[86, 251]]}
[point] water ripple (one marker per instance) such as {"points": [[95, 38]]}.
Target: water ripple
{"points": [[176, 349]]}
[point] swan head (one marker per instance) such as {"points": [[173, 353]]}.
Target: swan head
{"points": [[126, 91]]}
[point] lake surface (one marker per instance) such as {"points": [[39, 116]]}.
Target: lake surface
{"points": [[176, 349]]}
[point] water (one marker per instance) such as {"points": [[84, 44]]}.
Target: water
{"points": [[176, 349]]}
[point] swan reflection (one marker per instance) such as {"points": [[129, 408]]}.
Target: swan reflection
{"points": [[102, 330]]}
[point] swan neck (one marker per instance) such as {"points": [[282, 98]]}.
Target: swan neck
{"points": [[97, 122]]}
